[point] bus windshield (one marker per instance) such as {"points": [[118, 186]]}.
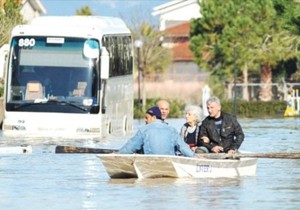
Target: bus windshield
{"points": [[50, 72]]}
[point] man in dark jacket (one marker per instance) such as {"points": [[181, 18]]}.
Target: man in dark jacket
{"points": [[221, 129]]}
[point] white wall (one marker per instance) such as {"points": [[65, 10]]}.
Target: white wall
{"points": [[32, 9], [28, 12], [176, 11]]}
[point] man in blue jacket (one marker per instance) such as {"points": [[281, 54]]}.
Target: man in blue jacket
{"points": [[156, 137]]}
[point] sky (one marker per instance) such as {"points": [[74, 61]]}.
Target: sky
{"points": [[100, 7]]}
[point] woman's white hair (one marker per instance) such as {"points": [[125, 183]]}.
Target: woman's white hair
{"points": [[196, 110]]}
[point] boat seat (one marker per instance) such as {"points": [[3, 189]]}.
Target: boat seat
{"points": [[34, 90]]}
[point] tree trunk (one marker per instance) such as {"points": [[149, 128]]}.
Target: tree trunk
{"points": [[265, 93], [245, 86]]}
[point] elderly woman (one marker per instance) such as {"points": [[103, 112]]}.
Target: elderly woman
{"points": [[190, 131]]}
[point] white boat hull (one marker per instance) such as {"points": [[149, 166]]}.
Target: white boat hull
{"points": [[154, 166]]}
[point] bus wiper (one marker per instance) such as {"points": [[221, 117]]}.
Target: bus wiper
{"points": [[68, 103], [37, 102], [25, 105]]}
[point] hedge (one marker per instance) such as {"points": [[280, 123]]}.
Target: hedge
{"points": [[245, 109]]}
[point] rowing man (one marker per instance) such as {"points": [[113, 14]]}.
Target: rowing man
{"points": [[156, 137]]}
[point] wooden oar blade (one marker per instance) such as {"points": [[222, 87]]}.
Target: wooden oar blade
{"points": [[72, 149], [270, 155], [249, 155]]}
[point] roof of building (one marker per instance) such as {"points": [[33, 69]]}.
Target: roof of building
{"points": [[180, 50], [37, 5], [182, 30]]}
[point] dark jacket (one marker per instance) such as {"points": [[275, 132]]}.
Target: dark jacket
{"points": [[184, 132], [231, 134]]}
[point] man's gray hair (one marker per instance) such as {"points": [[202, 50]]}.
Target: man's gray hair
{"points": [[197, 111], [214, 99]]}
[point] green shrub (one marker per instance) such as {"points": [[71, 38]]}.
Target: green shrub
{"points": [[255, 109], [245, 109], [1, 91]]}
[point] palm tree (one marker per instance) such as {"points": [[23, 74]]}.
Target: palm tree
{"points": [[84, 11]]}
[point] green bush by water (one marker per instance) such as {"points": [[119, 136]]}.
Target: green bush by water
{"points": [[245, 109]]}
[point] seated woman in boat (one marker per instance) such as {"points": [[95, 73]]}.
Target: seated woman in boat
{"points": [[190, 131], [156, 137]]}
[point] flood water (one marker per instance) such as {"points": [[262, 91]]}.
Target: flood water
{"points": [[45, 180]]}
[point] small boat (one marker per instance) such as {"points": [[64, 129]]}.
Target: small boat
{"points": [[157, 166], [16, 149]]}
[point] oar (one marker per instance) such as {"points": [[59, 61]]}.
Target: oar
{"points": [[249, 155], [72, 149]]}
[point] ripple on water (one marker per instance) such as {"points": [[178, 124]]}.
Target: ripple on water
{"points": [[45, 180]]}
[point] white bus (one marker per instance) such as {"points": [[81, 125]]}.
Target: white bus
{"points": [[69, 76]]}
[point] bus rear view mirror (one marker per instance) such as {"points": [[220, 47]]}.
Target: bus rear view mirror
{"points": [[91, 49], [104, 63]]}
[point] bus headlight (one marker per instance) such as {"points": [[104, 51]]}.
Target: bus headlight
{"points": [[19, 127], [82, 130], [88, 130], [14, 127], [87, 102]]}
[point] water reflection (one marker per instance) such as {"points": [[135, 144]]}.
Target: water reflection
{"points": [[45, 180], [176, 182]]}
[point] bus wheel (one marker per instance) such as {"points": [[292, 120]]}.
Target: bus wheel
{"points": [[108, 128]]}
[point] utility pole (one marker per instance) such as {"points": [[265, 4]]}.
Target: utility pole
{"points": [[138, 44]]}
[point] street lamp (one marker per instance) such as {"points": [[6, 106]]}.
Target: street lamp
{"points": [[138, 44]]}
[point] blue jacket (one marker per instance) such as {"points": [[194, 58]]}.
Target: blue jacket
{"points": [[156, 138]]}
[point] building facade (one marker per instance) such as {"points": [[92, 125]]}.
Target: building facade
{"points": [[32, 9], [175, 17], [176, 12], [183, 79]]}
